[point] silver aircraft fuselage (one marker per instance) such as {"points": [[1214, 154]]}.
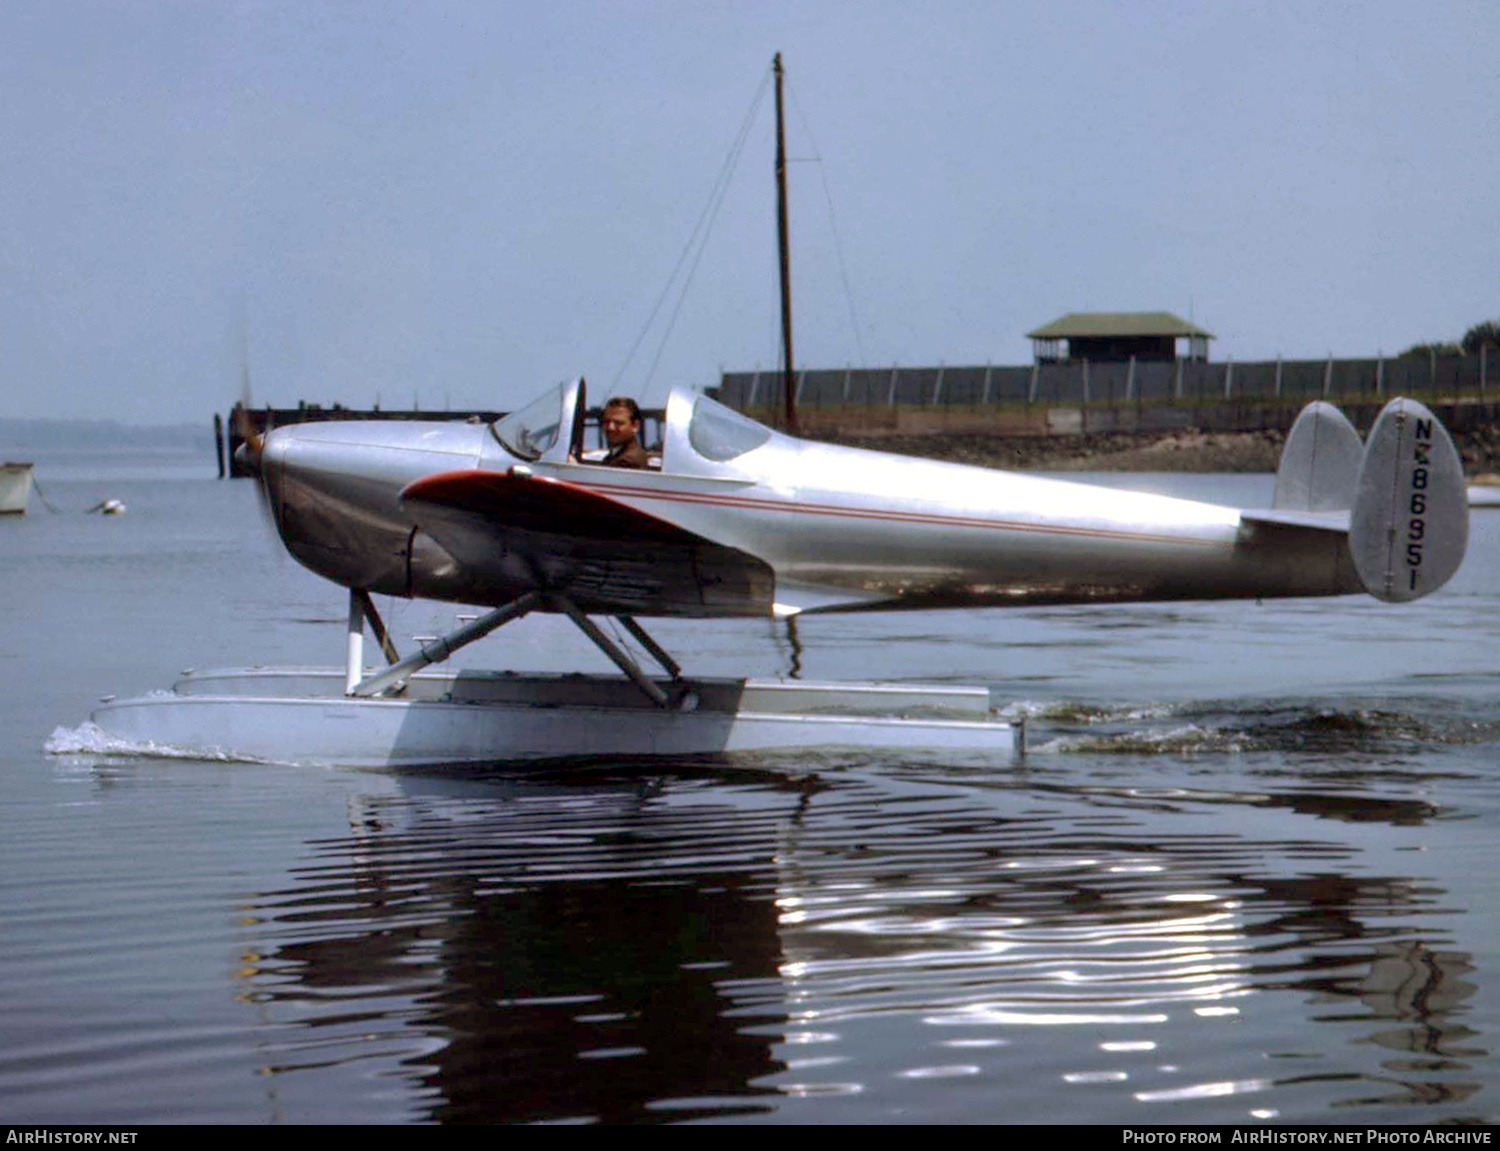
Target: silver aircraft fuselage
{"points": [[740, 520]]}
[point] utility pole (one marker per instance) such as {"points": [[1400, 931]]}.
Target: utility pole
{"points": [[784, 248]]}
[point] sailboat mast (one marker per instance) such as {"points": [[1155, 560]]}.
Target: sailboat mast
{"points": [[784, 249]]}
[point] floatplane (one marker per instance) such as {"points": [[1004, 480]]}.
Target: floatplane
{"points": [[734, 519], [739, 520]]}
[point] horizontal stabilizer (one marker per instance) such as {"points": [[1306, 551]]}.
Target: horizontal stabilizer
{"points": [[1320, 462], [1410, 524], [1318, 521]]}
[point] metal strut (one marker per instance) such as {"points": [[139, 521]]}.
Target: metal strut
{"points": [[658, 653], [362, 609], [395, 676], [620, 657], [377, 625], [441, 649]]}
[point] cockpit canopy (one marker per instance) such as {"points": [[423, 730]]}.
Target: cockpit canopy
{"points": [[720, 434], [530, 431], [715, 433]]}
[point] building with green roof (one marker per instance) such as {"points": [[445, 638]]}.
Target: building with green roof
{"points": [[1102, 337]]}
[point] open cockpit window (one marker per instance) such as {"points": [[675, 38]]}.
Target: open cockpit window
{"points": [[718, 433], [531, 430]]}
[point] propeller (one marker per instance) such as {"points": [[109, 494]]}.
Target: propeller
{"points": [[248, 454]]}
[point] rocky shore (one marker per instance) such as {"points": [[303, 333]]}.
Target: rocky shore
{"points": [[1179, 451]]}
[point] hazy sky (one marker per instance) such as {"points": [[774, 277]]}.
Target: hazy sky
{"points": [[463, 202]]}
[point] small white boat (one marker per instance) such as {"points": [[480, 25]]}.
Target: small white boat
{"points": [[15, 488], [1484, 492]]}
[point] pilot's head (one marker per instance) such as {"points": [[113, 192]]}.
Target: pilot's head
{"points": [[621, 421]]}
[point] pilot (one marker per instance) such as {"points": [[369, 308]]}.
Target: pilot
{"points": [[621, 422]]}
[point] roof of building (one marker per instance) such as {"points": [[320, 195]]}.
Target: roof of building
{"points": [[1077, 325]]}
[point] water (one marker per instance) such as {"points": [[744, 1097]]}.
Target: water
{"points": [[1245, 874]]}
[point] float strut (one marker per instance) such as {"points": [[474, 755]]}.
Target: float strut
{"points": [[611, 649], [377, 625], [441, 649], [354, 660], [669, 665], [362, 610]]}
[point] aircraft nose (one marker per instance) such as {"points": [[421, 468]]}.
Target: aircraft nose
{"points": [[272, 471], [333, 489]]}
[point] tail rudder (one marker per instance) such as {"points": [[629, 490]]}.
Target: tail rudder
{"points": [[1319, 466], [1409, 527]]}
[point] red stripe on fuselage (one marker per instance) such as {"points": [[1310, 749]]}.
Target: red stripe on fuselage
{"points": [[790, 506]]}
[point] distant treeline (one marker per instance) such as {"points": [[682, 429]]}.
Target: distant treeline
{"points": [[1482, 335], [17, 434]]}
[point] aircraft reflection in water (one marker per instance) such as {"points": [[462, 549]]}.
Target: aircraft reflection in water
{"points": [[632, 951], [567, 951]]}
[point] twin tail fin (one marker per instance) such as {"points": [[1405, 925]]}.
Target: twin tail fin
{"points": [[1401, 495], [1409, 527]]}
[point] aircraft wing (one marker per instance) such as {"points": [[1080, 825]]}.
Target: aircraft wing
{"points": [[527, 532]]}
